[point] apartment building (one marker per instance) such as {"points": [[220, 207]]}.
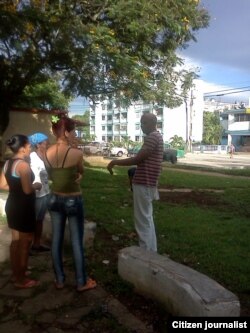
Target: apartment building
{"points": [[236, 125], [111, 121]]}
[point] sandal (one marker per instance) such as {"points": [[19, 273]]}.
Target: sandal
{"points": [[27, 284], [58, 285], [13, 279], [90, 284]]}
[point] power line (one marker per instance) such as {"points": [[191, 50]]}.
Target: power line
{"points": [[218, 91], [229, 93]]}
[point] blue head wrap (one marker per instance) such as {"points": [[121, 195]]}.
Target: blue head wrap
{"points": [[37, 138]]}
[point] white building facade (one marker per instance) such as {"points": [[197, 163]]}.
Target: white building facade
{"points": [[109, 121]]}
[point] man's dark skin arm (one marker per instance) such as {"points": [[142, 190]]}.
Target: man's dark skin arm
{"points": [[142, 155]]}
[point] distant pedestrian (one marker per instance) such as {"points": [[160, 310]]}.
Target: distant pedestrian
{"points": [[231, 150]]}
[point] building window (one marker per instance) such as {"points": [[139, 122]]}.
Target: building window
{"points": [[103, 128], [92, 128], [109, 117], [241, 117], [159, 126], [103, 107], [137, 138], [103, 138], [159, 111], [223, 116], [109, 128], [117, 103], [123, 127], [116, 138], [103, 117], [110, 106], [137, 127]]}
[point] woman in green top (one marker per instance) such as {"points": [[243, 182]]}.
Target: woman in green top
{"points": [[65, 168]]}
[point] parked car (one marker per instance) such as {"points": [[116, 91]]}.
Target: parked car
{"points": [[93, 148], [169, 154], [133, 151], [118, 151]]}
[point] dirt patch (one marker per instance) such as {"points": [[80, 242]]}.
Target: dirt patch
{"points": [[96, 161], [187, 196], [145, 309]]}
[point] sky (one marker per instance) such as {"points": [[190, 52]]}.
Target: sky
{"points": [[222, 51]]}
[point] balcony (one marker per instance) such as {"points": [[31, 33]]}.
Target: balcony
{"points": [[123, 120], [116, 120]]}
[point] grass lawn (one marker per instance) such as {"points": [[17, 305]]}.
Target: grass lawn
{"points": [[202, 220], [204, 225]]}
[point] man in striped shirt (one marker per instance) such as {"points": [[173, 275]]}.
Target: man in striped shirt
{"points": [[145, 180]]}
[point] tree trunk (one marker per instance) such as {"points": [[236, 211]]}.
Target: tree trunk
{"points": [[4, 122], [4, 116]]}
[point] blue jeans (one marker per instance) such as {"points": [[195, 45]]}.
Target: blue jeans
{"points": [[62, 208]]}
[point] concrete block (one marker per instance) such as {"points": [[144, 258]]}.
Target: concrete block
{"points": [[89, 232], [2, 207], [182, 290]]}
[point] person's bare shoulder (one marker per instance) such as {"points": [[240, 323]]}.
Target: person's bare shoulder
{"points": [[77, 152]]}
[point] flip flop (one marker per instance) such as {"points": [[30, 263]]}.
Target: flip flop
{"points": [[27, 284], [58, 285], [90, 284], [27, 273]]}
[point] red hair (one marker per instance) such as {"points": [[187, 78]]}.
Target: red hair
{"points": [[63, 124]]}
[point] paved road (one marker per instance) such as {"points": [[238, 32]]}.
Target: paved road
{"points": [[239, 161]]}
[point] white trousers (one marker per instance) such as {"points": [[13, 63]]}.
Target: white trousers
{"points": [[143, 215]]}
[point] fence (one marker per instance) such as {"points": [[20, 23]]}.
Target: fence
{"points": [[211, 149]]}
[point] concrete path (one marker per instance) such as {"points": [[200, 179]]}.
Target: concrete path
{"points": [[216, 161], [45, 309]]}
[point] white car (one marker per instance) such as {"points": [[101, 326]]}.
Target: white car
{"points": [[118, 151]]}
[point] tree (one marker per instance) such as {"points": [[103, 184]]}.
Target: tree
{"points": [[177, 142], [84, 129], [47, 95], [100, 47], [212, 129]]}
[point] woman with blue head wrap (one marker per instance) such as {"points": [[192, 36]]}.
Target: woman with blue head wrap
{"points": [[39, 142]]}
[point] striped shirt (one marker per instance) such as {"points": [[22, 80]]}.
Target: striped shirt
{"points": [[148, 171]]}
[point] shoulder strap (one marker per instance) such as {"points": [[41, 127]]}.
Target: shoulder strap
{"points": [[10, 166], [14, 166], [5, 167], [47, 159], [65, 156]]}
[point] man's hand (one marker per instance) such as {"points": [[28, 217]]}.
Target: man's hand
{"points": [[110, 167], [37, 186]]}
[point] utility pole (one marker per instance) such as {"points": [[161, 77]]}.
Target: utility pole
{"points": [[187, 118], [190, 122]]}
